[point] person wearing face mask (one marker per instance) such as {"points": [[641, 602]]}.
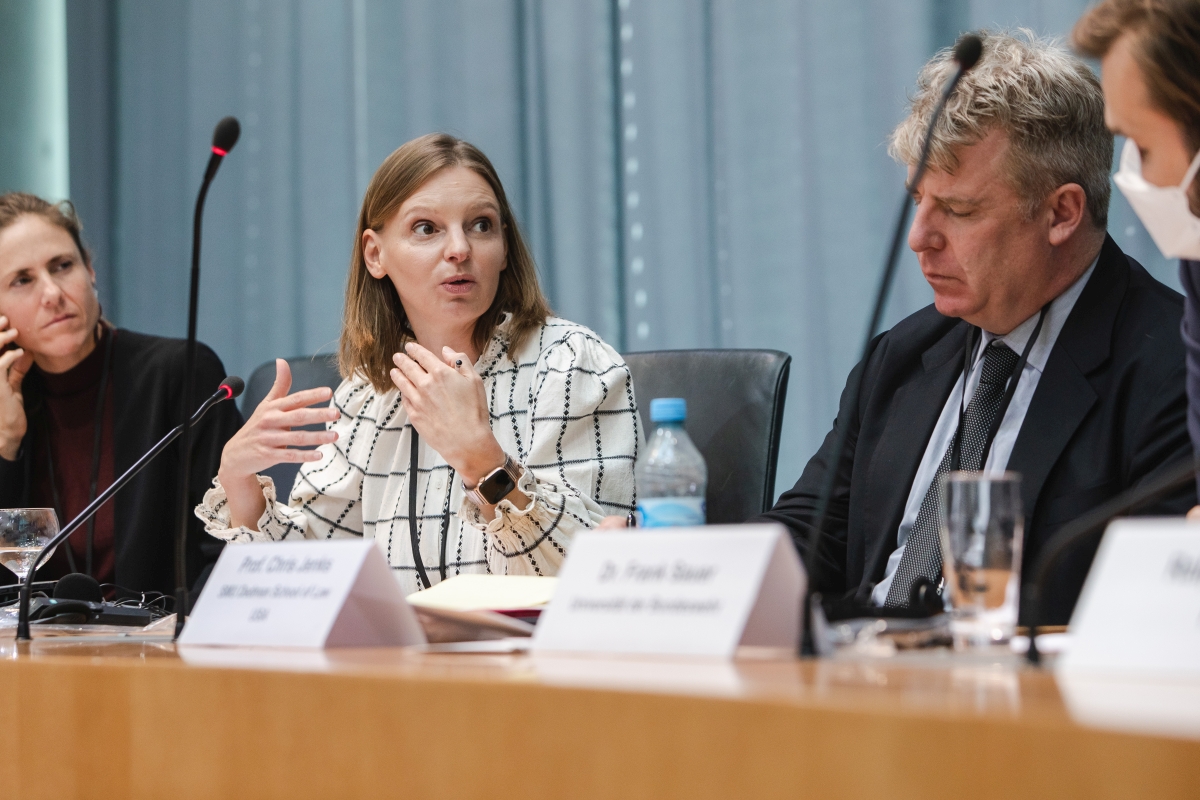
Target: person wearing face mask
{"points": [[81, 401], [1149, 53], [473, 432], [1047, 352]]}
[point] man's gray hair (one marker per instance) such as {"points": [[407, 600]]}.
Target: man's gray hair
{"points": [[1046, 100]]}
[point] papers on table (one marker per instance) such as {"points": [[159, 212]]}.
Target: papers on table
{"points": [[469, 608], [487, 593]]}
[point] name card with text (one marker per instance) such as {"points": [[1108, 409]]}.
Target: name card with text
{"points": [[302, 594], [1139, 610], [676, 591]]}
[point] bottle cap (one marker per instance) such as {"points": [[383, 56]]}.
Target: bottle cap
{"points": [[668, 409]]}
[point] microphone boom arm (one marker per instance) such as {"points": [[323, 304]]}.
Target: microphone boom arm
{"points": [[224, 393], [1089, 523], [225, 136], [881, 297]]}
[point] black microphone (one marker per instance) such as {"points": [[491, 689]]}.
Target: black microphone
{"points": [[78, 586], [1083, 527], [230, 388], [967, 52], [225, 136]]}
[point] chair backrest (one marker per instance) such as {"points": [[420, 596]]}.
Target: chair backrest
{"points": [[734, 415], [308, 372]]}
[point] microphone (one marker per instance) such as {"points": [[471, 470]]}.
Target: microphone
{"points": [[78, 586], [1085, 526], [967, 52], [225, 136], [230, 388]]}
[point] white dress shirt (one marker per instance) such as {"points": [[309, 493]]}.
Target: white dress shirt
{"points": [[1006, 436]]}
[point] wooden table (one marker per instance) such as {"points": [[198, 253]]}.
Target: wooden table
{"points": [[134, 720]]}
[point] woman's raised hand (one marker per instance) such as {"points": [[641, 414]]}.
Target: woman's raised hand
{"points": [[13, 366], [447, 404], [267, 439]]}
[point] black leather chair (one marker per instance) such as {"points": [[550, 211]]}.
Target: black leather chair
{"points": [[734, 415], [308, 372]]}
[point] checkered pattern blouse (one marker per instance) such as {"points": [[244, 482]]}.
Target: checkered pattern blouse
{"points": [[563, 407]]}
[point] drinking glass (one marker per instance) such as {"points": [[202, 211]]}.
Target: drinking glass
{"points": [[23, 533], [982, 530]]}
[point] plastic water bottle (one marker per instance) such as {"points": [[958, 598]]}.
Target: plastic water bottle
{"points": [[671, 474]]}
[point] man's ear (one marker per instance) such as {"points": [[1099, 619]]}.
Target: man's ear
{"points": [[372, 250], [1067, 210]]}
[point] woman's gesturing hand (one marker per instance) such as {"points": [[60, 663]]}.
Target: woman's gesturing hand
{"points": [[267, 439], [13, 366], [447, 405]]}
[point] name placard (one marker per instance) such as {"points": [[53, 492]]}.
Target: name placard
{"points": [[1139, 610], [302, 594], [676, 591]]}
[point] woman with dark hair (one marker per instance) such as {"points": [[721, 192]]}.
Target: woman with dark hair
{"points": [[81, 401], [1149, 53], [473, 431]]}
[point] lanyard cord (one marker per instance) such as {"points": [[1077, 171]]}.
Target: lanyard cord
{"points": [[413, 535], [97, 431], [968, 365]]}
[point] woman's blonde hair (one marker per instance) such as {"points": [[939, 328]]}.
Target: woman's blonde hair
{"points": [[375, 325]]}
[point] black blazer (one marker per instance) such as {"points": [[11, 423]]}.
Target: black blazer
{"points": [[147, 384], [1110, 410]]}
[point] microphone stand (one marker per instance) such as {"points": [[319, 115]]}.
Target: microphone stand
{"points": [[225, 392], [224, 137], [1084, 526], [967, 52]]}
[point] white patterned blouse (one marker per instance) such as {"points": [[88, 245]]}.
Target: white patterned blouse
{"points": [[563, 407]]}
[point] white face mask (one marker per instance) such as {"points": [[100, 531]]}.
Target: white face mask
{"points": [[1164, 210]]}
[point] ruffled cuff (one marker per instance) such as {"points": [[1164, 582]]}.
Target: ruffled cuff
{"points": [[513, 531], [213, 511]]}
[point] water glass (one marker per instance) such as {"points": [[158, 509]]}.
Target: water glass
{"points": [[23, 533], [982, 530]]}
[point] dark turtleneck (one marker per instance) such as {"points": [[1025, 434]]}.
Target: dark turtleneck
{"points": [[65, 414]]}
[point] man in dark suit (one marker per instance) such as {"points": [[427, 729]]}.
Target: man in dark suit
{"points": [[1047, 352]]}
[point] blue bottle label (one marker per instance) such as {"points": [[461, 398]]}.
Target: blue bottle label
{"points": [[670, 512]]}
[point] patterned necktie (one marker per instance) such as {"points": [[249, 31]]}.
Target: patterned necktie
{"points": [[923, 552]]}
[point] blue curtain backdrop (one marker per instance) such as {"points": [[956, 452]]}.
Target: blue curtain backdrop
{"points": [[691, 173]]}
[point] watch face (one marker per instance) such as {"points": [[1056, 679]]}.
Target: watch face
{"points": [[496, 486]]}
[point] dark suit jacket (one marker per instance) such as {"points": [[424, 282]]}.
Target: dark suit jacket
{"points": [[147, 390], [1189, 277], [1110, 410]]}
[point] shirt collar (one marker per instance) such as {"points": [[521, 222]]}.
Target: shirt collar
{"points": [[1056, 318], [497, 344]]}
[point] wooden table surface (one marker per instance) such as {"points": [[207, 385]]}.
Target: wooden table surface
{"points": [[135, 720]]}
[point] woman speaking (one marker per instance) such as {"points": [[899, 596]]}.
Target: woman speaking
{"points": [[1150, 71], [81, 401], [473, 432]]}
